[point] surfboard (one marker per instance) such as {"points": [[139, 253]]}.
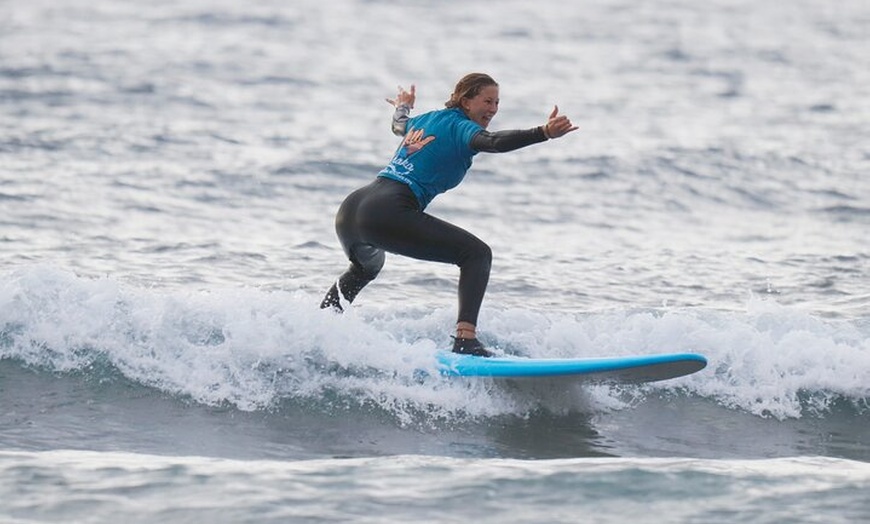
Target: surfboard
{"points": [[623, 369]]}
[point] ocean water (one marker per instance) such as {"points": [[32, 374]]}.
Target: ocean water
{"points": [[169, 175]]}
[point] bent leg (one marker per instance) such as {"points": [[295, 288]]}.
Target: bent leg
{"points": [[385, 216], [366, 262], [422, 236]]}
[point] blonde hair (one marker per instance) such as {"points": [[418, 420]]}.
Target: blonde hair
{"points": [[469, 86]]}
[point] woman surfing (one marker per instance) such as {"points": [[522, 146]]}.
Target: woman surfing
{"points": [[388, 215]]}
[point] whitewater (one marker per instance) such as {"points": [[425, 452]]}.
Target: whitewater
{"points": [[169, 176]]}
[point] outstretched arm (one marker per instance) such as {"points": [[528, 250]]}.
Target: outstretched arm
{"points": [[403, 103], [503, 141]]}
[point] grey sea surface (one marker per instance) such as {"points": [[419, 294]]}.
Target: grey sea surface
{"points": [[169, 175]]}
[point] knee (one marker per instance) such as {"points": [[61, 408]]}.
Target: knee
{"points": [[486, 253], [370, 266], [480, 254], [361, 272]]}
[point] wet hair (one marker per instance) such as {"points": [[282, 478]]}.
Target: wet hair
{"points": [[469, 86]]}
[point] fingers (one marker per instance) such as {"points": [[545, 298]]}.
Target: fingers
{"points": [[404, 97], [559, 125], [412, 96]]}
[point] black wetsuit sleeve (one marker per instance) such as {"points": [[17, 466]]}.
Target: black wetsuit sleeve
{"points": [[400, 119], [504, 141]]}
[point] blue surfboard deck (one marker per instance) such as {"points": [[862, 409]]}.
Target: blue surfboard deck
{"points": [[623, 369]]}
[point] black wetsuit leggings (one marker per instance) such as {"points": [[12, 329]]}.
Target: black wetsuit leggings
{"points": [[385, 216]]}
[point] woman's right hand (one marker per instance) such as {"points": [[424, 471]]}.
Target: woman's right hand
{"points": [[406, 98], [558, 125]]}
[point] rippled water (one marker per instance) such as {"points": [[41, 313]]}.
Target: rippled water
{"points": [[169, 175]]}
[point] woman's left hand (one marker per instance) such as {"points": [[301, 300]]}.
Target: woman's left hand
{"points": [[404, 98], [558, 125]]}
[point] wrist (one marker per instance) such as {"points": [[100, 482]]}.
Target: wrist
{"points": [[545, 129]]}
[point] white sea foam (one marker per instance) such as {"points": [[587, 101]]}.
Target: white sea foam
{"points": [[253, 348], [169, 174]]}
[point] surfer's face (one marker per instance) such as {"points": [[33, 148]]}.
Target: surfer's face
{"points": [[483, 106]]}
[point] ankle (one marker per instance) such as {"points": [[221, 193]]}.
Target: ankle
{"points": [[466, 330]]}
